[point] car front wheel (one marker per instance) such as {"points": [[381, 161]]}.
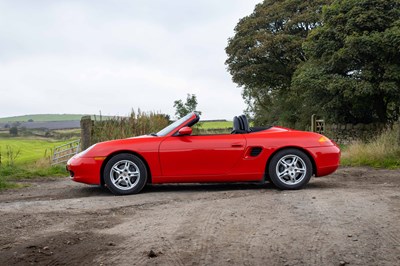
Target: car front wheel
{"points": [[125, 174], [290, 169]]}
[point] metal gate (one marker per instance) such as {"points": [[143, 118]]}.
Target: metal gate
{"points": [[64, 152]]}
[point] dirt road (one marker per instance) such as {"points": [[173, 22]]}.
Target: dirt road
{"points": [[351, 217]]}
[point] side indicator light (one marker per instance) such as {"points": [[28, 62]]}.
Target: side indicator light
{"points": [[323, 139], [100, 158]]}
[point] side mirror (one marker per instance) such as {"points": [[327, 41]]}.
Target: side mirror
{"points": [[185, 131]]}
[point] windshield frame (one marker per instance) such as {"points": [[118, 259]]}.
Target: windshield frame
{"points": [[168, 129]]}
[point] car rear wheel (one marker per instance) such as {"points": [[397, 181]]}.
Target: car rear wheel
{"points": [[125, 174], [290, 169]]}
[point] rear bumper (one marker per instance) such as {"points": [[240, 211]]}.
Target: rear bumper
{"points": [[327, 159], [84, 170]]}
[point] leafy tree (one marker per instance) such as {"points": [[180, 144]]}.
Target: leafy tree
{"points": [[182, 109], [353, 71], [265, 52]]}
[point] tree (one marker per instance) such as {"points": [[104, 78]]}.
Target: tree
{"points": [[13, 131], [265, 52], [353, 71], [182, 109]]}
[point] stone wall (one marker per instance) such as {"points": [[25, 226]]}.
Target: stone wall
{"points": [[347, 133]]}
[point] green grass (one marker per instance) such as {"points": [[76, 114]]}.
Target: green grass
{"points": [[381, 152], [215, 124], [18, 172], [10, 174], [4, 184], [33, 160], [31, 149]]}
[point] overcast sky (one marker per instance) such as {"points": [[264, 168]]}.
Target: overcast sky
{"points": [[111, 56]]}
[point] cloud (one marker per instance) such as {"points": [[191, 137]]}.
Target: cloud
{"points": [[87, 56]]}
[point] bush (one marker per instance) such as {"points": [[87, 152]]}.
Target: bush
{"points": [[13, 131], [381, 152], [136, 124]]}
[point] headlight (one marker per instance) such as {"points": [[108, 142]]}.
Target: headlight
{"points": [[82, 153]]}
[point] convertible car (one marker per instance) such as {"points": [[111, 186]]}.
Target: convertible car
{"points": [[286, 157]]}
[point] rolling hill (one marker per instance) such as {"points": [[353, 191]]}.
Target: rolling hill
{"points": [[42, 118]]}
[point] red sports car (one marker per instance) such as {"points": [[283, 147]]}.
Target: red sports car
{"points": [[286, 157]]}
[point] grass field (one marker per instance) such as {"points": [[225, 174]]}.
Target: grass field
{"points": [[381, 152], [31, 150], [31, 160], [215, 125]]}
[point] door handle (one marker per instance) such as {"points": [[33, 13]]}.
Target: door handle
{"points": [[237, 145]]}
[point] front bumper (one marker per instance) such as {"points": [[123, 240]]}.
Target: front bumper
{"points": [[85, 170], [327, 159]]}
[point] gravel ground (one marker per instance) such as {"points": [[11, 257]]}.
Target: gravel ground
{"points": [[351, 217]]}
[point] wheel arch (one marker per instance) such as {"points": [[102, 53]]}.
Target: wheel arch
{"points": [[306, 152], [149, 179]]}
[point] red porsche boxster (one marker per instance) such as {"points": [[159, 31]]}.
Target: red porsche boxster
{"points": [[286, 157]]}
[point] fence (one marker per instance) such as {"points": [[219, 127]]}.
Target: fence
{"points": [[347, 133], [317, 125], [64, 152]]}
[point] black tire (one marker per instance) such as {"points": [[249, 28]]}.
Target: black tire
{"points": [[293, 173], [125, 174]]}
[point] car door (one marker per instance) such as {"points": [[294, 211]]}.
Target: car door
{"points": [[196, 156]]}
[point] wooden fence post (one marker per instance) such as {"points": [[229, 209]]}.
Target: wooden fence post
{"points": [[86, 132], [313, 123]]}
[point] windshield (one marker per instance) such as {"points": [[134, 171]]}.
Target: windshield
{"points": [[171, 127]]}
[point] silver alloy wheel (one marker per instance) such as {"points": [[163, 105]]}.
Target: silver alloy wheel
{"points": [[291, 169], [125, 174]]}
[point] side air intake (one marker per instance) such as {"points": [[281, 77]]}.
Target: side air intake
{"points": [[255, 151]]}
